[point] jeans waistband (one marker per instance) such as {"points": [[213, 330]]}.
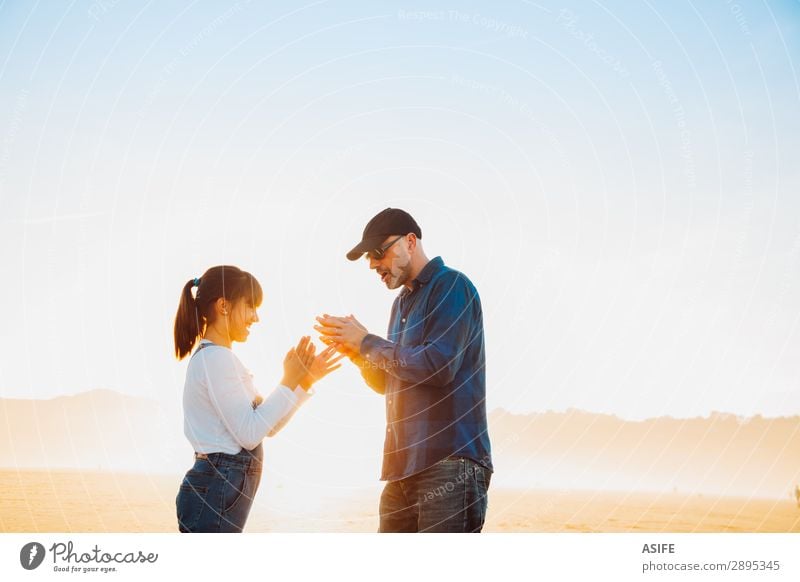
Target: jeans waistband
{"points": [[243, 458]]}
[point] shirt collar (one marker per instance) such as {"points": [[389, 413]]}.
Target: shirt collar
{"points": [[426, 274]]}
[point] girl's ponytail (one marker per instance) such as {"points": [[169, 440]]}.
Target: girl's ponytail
{"points": [[187, 322]]}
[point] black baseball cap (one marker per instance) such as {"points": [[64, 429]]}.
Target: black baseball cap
{"points": [[384, 224]]}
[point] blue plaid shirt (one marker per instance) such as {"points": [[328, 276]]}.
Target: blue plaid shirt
{"points": [[432, 372]]}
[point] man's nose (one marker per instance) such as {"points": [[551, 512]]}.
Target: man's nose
{"points": [[255, 317], [373, 263]]}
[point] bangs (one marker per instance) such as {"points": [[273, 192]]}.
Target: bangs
{"points": [[252, 291]]}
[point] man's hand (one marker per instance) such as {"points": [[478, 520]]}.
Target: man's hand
{"points": [[346, 333], [352, 355]]}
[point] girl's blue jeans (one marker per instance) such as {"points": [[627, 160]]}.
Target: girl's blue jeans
{"points": [[217, 493]]}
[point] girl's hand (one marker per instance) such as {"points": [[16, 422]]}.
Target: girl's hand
{"points": [[298, 361], [323, 364]]}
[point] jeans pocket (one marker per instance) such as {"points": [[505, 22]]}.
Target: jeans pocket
{"points": [[204, 467], [234, 489], [189, 505], [451, 461], [480, 497], [486, 475]]}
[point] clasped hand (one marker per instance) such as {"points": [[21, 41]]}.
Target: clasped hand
{"points": [[344, 334]]}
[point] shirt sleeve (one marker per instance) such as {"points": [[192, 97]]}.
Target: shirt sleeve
{"points": [[231, 390], [374, 376], [281, 406], [449, 329]]}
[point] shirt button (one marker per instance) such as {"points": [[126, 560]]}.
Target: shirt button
{"points": [[390, 402], [403, 320], [388, 430]]}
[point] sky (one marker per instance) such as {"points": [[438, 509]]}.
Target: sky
{"points": [[619, 181]]}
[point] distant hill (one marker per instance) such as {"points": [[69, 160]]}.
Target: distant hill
{"points": [[100, 429], [719, 454]]}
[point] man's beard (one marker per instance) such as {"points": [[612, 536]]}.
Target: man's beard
{"points": [[402, 277]]}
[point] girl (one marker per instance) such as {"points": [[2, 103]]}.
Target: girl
{"points": [[225, 419]]}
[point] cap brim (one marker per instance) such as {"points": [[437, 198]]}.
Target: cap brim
{"points": [[365, 245]]}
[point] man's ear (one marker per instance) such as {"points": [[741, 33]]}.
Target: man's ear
{"points": [[411, 241]]}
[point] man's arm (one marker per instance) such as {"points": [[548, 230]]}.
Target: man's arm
{"points": [[451, 328], [372, 374]]}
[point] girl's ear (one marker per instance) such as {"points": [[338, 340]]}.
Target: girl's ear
{"points": [[222, 306]]}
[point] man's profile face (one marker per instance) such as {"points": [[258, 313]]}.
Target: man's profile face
{"points": [[394, 268]]}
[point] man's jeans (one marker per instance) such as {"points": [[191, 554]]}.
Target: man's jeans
{"points": [[450, 496]]}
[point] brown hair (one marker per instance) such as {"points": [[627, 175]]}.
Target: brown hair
{"points": [[196, 312]]}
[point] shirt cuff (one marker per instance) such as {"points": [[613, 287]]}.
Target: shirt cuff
{"points": [[372, 345], [298, 395]]}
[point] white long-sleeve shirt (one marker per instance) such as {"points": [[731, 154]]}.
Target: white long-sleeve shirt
{"points": [[218, 413]]}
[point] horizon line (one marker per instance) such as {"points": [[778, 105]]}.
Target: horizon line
{"points": [[498, 410]]}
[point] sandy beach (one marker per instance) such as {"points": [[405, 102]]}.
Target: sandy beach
{"points": [[75, 501]]}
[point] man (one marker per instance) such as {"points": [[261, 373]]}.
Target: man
{"points": [[431, 369]]}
